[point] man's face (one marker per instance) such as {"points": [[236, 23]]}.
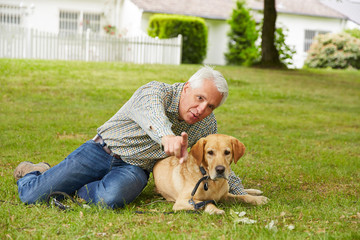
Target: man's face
{"points": [[196, 104]]}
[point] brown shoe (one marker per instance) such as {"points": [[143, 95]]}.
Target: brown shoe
{"points": [[26, 167]]}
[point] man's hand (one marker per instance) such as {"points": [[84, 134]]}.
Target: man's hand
{"points": [[176, 146]]}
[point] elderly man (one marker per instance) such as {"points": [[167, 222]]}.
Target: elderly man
{"points": [[112, 169]]}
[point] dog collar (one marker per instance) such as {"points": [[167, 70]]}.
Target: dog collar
{"points": [[203, 203]]}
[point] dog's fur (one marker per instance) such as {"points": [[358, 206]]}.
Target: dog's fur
{"points": [[215, 153]]}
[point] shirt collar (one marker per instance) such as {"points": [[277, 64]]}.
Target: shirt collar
{"points": [[174, 106]]}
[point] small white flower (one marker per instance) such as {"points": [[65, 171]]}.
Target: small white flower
{"points": [[290, 227], [246, 220], [241, 214], [272, 225]]}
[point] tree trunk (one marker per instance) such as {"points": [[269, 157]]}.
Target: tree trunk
{"points": [[269, 53]]}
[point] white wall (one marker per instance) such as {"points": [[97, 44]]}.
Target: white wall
{"points": [[297, 24], [130, 19], [217, 42], [44, 15]]}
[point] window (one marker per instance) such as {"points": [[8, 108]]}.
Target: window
{"points": [[68, 22], [91, 21], [76, 22], [10, 14], [309, 38]]}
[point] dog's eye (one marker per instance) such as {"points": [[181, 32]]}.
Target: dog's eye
{"points": [[210, 152], [227, 152]]}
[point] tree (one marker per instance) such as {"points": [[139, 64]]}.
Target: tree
{"points": [[269, 53], [242, 37]]}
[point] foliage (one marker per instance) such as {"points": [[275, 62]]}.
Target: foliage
{"points": [[300, 128], [353, 32], [334, 50], [286, 52], [242, 37], [193, 30]]}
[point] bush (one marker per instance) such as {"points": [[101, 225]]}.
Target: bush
{"points": [[192, 29], [286, 52], [353, 32], [335, 51], [242, 37]]}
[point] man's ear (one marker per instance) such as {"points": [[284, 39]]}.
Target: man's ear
{"points": [[238, 149], [197, 151], [186, 86]]}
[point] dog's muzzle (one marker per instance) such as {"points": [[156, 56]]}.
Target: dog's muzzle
{"points": [[220, 172]]}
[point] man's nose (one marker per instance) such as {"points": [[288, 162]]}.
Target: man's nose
{"points": [[201, 108]]}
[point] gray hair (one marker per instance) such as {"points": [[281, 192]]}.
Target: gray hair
{"points": [[209, 73]]}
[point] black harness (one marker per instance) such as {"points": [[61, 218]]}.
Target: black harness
{"points": [[206, 187]]}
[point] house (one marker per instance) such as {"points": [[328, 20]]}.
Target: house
{"points": [[303, 19]]}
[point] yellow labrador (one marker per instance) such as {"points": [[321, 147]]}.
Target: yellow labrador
{"points": [[176, 182]]}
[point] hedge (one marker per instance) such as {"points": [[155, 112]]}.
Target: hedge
{"points": [[192, 29]]}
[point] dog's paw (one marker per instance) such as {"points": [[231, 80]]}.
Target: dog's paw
{"points": [[212, 209], [254, 192], [260, 200], [216, 211]]}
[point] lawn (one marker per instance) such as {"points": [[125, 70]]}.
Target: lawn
{"points": [[301, 129]]}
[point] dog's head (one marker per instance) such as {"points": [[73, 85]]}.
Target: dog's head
{"points": [[216, 152]]}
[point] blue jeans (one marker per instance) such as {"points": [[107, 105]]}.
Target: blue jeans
{"points": [[97, 177]]}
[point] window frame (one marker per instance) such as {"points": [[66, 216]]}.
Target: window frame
{"points": [[76, 22], [308, 40]]}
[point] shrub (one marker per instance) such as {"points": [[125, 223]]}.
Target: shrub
{"points": [[242, 37], [335, 51], [353, 32], [192, 29], [286, 52]]}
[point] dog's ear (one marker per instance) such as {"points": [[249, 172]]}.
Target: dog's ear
{"points": [[197, 151], [238, 149]]}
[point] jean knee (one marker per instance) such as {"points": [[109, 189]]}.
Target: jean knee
{"points": [[112, 201], [27, 194], [28, 197], [122, 194]]}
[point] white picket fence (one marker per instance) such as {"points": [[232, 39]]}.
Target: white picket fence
{"points": [[19, 42]]}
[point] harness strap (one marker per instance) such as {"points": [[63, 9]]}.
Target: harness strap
{"points": [[197, 185], [203, 203], [51, 199]]}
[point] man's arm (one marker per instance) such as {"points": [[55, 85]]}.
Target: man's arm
{"points": [[148, 111]]}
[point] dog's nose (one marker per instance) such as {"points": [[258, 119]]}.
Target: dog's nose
{"points": [[220, 169]]}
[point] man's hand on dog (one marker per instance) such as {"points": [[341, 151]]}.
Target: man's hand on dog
{"points": [[176, 146]]}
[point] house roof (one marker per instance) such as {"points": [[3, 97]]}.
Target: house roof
{"points": [[303, 7], [221, 9], [350, 8], [211, 9]]}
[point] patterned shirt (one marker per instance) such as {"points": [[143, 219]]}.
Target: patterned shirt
{"points": [[135, 131]]}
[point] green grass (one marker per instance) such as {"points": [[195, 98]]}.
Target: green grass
{"points": [[300, 127]]}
